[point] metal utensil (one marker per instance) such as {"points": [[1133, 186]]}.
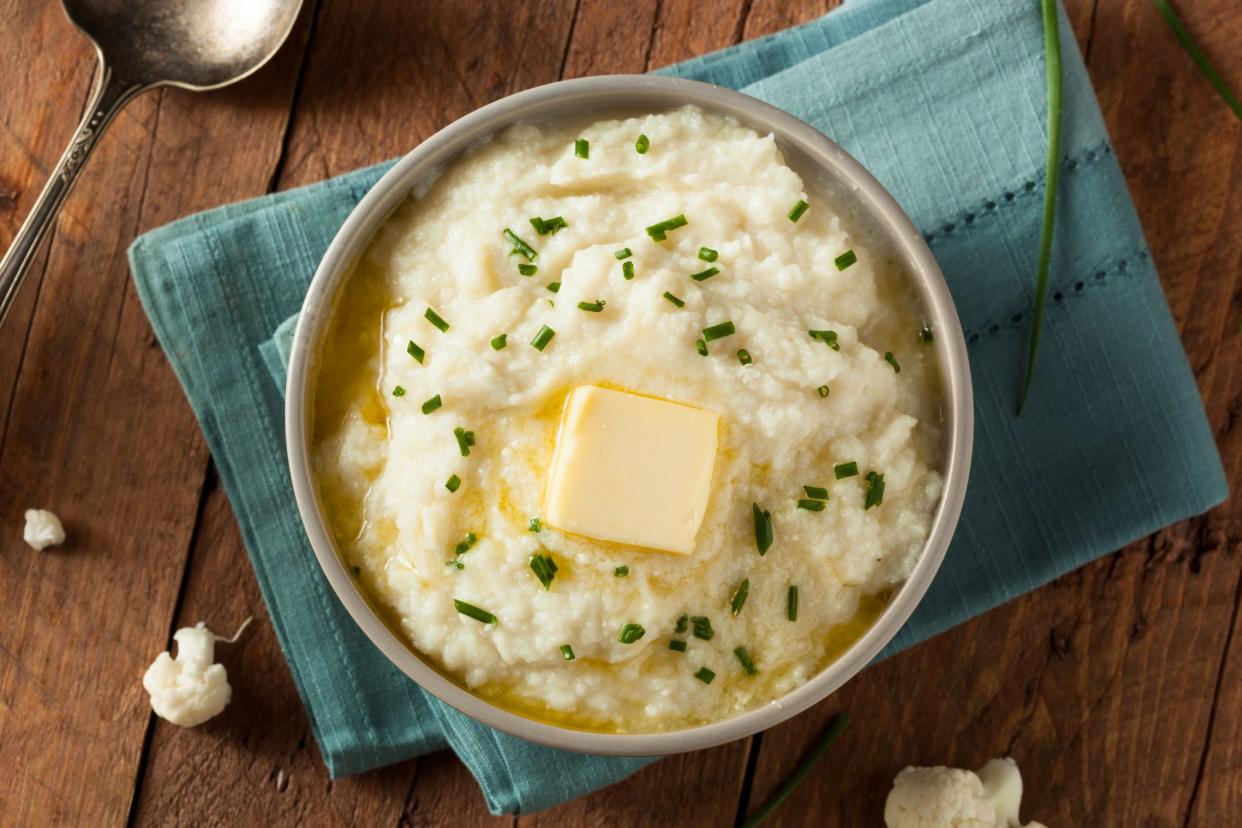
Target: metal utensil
{"points": [[142, 44]]}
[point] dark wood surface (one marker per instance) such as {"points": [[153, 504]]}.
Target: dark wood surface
{"points": [[1118, 687]]}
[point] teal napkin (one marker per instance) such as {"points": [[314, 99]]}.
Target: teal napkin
{"points": [[944, 101]]}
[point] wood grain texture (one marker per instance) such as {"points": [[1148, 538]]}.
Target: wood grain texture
{"points": [[1115, 687]]}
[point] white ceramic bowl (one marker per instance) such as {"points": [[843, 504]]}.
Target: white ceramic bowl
{"points": [[817, 159]]}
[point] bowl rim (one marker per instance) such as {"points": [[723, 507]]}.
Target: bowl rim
{"points": [[619, 93]]}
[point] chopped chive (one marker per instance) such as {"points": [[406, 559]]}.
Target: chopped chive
{"points": [[528, 269], [823, 391], [465, 439], [747, 664], [465, 544], [432, 404], [702, 627], [544, 568], [676, 301], [398, 391], [830, 734], [519, 246], [542, 338], [817, 492], [357, 570], [829, 338], [705, 675], [642, 145], [708, 255], [704, 275], [925, 334], [811, 505], [567, 652], [701, 347], [892, 360], [797, 210], [535, 525], [743, 356], [739, 596], [763, 529], [455, 564], [845, 259], [435, 319], [582, 148], [683, 622], [592, 307], [621, 571], [874, 494], [718, 331], [791, 603], [413, 350], [844, 470], [499, 342], [550, 225], [555, 287], [659, 230], [677, 645], [471, 611], [627, 271], [453, 483], [631, 633], [623, 253]]}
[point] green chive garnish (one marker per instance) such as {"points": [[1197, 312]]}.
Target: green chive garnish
{"points": [[1197, 55], [677, 645], [499, 342], [432, 404], [582, 148], [623, 253], [415, 351], [567, 652], [471, 611], [705, 675], [739, 596], [670, 297], [535, 525], [708, 255], [844, 470], [925, 334], [683, 622], [817, 492], [453, 483], [519, 246], [791, 603], [831, 732], [659, 230], [642, 145], [528, 269], [398, 391], [544, 568], [718, 331], [747, 664], [631, 633], [465, 439], [465, 544], [701, 347], [874, 493], [550, 225], [621, 571], [627, 271], [592, 307], [845, 259], [455, 564], [357, 570], [829, 338], [555, 287], [743, 356], [702, 627], [704, 275], [892, 360], [811, 505], [435, 319], [823, 391], [763, 529], [797, 210], [542, 338]]}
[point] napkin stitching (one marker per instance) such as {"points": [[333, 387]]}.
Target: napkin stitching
{"points": [[1011, 196]]}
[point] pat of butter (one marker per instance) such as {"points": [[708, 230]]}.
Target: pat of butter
{"points": [[632, 469]]}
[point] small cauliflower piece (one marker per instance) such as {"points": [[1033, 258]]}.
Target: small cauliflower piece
{"points": [[943, 797], [43, 529], [189, 689]]}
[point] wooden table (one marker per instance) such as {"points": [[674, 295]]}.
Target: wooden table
{"points": [[1118, 687]]}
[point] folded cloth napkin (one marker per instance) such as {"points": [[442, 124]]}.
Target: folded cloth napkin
{"points": [[944, 101]]}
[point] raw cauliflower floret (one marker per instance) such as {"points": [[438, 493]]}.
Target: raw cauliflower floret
{"points": [[43, 529], [943, 797], [189, 689]]}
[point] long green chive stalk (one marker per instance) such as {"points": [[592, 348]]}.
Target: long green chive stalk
{"points": [[830, 734], [1052, 51], [1197, 55]]}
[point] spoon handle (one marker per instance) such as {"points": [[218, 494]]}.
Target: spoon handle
{"points": [[107, 98]]}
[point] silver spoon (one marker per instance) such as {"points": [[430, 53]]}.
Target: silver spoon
{"points": [[142, 44]]}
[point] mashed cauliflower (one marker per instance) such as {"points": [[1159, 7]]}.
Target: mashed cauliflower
{"points": [[426, 525]]}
